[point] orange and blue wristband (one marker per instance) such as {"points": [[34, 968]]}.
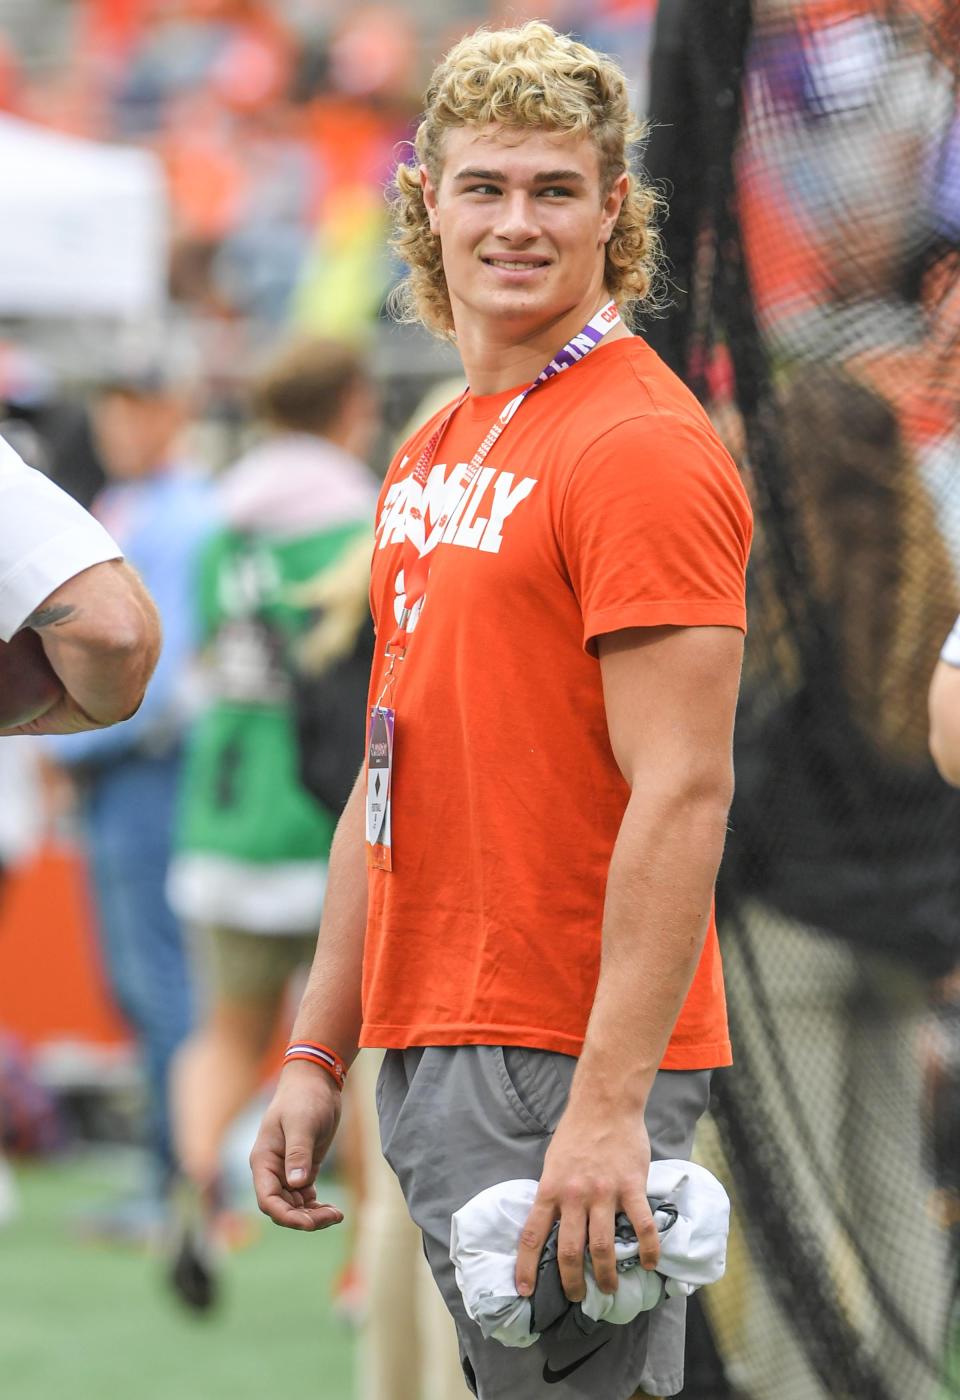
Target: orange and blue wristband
{"points": [[320, 1055]]}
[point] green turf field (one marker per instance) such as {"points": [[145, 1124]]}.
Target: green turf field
{"points": [[94, 1322]]}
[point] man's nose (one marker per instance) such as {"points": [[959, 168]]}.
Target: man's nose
{"points": [[517, 220]]}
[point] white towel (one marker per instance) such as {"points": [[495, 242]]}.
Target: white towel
{"points": [[692, 1213]]}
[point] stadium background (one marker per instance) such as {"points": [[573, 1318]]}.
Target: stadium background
{"points": [[812, 150]]}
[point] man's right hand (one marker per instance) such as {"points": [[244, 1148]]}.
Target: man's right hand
{"points": [[294, 1138]]}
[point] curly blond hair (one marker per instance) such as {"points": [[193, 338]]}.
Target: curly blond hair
{"points": [[527, 77]]}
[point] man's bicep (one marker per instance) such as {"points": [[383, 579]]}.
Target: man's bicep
{"points": [[670, 695], [655, 531]]}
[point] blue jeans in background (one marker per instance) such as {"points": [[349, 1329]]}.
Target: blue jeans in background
{"points": [[130, 807]]}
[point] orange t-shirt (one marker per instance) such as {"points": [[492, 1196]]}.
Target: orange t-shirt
{"points": [[608, 502]]}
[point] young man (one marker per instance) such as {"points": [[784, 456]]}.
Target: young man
{"points": [[562, 598]]}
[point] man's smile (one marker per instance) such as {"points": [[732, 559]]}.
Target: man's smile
{"points": [[516, 264]]}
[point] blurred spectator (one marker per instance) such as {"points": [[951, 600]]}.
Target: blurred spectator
{"points": [[943, 1042], [50, 432], [621, 27], [944, 705], [160, 510], [238, 49], [848, 199], [21, 812], [263, 249], [855, 897], [250, 871], [943, 1050], [9, 77], [842, 107], [406, 1347]]}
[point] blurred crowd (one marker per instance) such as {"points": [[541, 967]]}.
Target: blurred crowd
{"points": [[277, 124], [275, 139]]}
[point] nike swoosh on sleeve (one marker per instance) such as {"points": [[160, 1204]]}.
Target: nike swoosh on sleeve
{"points": [[554, 1377]]}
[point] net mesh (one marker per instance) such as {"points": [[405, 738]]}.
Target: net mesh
{"points": [[814, 155]]}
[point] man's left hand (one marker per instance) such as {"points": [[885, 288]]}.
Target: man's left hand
{"points": [[594, 1168]]}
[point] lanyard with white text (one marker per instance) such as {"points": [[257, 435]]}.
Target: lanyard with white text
{"points": [[416, 572]]}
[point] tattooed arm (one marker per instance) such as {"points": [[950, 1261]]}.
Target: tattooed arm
{"points": [[101, 634]]}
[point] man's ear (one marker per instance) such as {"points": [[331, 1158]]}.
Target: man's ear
{"points": [[612, 206], [430, 199]]}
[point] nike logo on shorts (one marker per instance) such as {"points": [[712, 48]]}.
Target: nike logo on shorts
{"points": [[554, 1377]]}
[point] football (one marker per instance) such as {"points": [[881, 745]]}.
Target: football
{"points": [[28, 683]]}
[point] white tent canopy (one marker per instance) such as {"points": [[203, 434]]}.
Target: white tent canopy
{"points": [[83, 227]]}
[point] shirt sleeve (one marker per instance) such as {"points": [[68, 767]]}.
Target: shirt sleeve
{"points": [[950, 652], [655, 529], [45, 539]]}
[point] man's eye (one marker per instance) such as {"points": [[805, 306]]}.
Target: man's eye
{"points": [[483, 189], [557, 191]]}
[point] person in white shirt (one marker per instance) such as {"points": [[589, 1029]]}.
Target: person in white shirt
{"points": [[62, 575]]}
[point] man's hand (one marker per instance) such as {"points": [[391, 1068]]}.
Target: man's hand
{"points": [[64, 717], [596, 1165], [300, 1123], [294, 1138]]}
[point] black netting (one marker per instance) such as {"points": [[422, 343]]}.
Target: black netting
{"points": [[813, 151]]}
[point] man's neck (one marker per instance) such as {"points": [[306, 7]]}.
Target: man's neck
{"points": [[498, 356]]}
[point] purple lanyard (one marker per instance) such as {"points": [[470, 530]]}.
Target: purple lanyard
{"points": [[416, 565]]}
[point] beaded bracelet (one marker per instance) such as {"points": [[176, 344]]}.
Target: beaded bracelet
{"points": [[318, 1055]]}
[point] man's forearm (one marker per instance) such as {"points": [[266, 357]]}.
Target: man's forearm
{"points": [[659, 895], [101, 633], [330, 1010]]}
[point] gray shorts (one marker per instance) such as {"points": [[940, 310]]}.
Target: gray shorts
{"points": [[457, 1119]]}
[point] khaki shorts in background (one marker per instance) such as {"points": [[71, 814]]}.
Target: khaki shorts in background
{"points": [[249, 967], [457, 1119]]}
